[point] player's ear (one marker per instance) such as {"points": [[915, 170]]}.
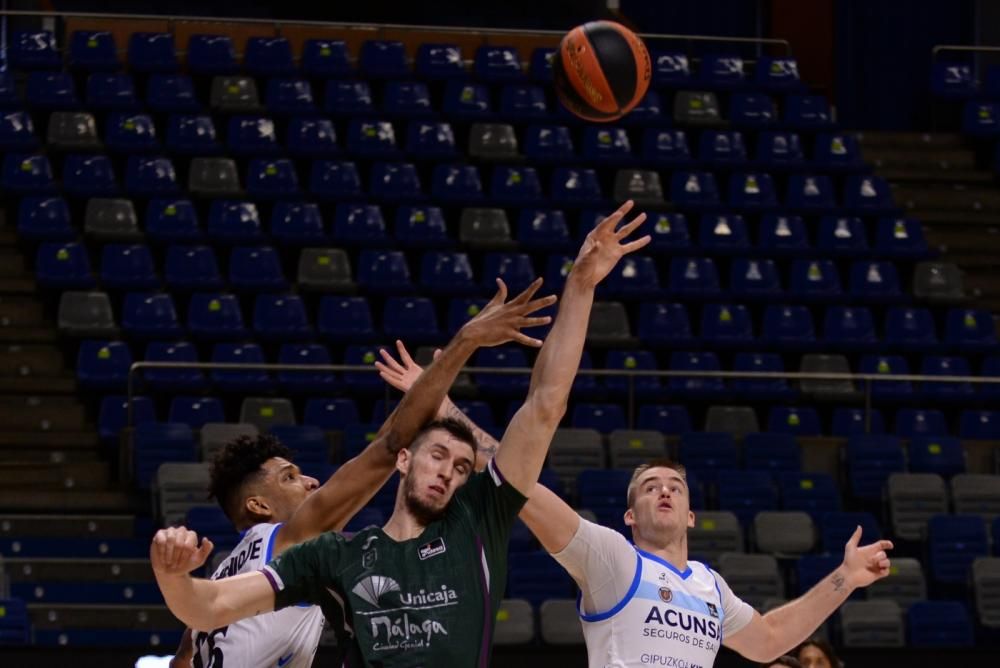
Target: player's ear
{"points": [[257, 505], [403, 460], [629, 518], [690, 519]]}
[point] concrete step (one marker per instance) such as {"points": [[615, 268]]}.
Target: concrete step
{"points": [[21, 312], [66, 501], [910, 140], [35, 476], [82, 570], [30, 360], [42, 413], [49, 441], [34, 454], [66, 616], [67, 526]]}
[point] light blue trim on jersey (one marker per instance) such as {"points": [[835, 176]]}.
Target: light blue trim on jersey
{"points": [[270, 542], [722, 612], [683, 575], [650, 591], [601, 616]]}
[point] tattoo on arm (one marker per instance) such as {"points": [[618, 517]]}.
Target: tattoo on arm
{"points": [[838, 582], [487, 444]]}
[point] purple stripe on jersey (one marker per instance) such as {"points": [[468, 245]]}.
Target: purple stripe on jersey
{"points": [[271, 579], [495, 470], [484, 651]]}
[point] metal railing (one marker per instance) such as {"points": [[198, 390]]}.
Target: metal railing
{"points": [[868, 379]]}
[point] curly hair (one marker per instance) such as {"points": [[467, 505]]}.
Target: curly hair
{"points": [[236, 464], [824, 647]]}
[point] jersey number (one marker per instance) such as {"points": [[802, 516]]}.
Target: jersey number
{"points": [[214, 653]]}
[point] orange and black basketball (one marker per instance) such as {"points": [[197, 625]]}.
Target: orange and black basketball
{"points": [[602, 70]]}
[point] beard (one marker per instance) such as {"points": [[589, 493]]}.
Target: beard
{"points": [[421, 510]]}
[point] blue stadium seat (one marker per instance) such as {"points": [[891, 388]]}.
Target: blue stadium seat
{"points": [[189, 134], [953, 542], [344, 319], [173, 380], [837, 527], [557, 268], [44, 219], [575, 185], [838, 152], [943, 624], [807, 112], [169, 220], [515, 185], [746, 493], [721, 71], [982, 425], [411, 319], [851, 421], [268, 57], [634, 276], [721, 234], [501, 385], [251, 136], [910, 328], [27, 174], [256, 268], [307, 442], [875, 281], [540, 66], [669, 232], [334, 180], [311, 137], [533, 578], [347, 97], [664, 324], [127, 266], [358, 380], [694, 190], [457, 183], [384, 271], [152, 52], [952, 80], [868, 194], [754, 279], [192, 268], [777, 73], [607, 145], [900, 238], [113, 416], [430, 140], [753, 191], [725, 325], [811, 569], [940, 453], [396, 181], [765, 388], [887, 364], [215, 316], [918, 422], [242, 381], [130, 133], [694, 277], [325, 59], [518, 101], [9, 98], [990, 369], [290, 96], [383, 59], [281, 318], [870, 461], [421, 227], [774, 453], [17, 132], [34, 50], [148, 176], [543, 229], [665, 419], [788, 327], [63, 266], [272, 179], [981, 119], [670, 69], [779, 150], [111, 92], [631, 360], [171, 94], [752, 110], [211, 55], [89, 176], [467, 101], [461, 310], [232, 221], [665, 148], [601, 491], [331, 414], [195, 411], [849, 328], [497, 63], [297, 223], [815, 280], [150, 316], [447, 274], [439, 61], [842, 236], [372, 139], [515, 269], [685, 361], [813, 493], [604, 418], [157, 443], [797, 421], [103, 365], [970, 330], [722, 148], [548, 143], [811, 193], [359, 224], [707, 453], [783, 235], [647, 111], [50, 91]]}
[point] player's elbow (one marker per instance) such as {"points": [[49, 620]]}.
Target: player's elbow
{"points": [[548, 406]]}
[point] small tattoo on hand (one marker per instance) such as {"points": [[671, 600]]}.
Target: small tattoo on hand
{"points": [[838, 582]]}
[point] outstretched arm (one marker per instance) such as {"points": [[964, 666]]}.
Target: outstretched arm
{"points": [[526, 440], [771, 635], [355, 483]]}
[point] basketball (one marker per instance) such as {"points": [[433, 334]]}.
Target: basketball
{"points": [[602, 70]]}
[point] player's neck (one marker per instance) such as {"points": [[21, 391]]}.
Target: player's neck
{"points": [[403, 525], [673, 550]]}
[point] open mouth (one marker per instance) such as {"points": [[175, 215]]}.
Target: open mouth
{"points": [[664, 505], [437, 489]]}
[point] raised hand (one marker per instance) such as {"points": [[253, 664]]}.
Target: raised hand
{"points": [[501, 321], [865, 564], [403, 373], [606, 244], [175, 551]]}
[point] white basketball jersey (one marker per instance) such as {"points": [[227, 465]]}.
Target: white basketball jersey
{"points": [[667, 618], [284, 639]]}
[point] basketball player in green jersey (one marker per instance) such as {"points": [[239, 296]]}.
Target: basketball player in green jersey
{"points": [[424, 589]]}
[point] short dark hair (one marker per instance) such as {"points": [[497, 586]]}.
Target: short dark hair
{"points": [[454, 427], [823, 646], [659, 462], [236, 464], [786, 660]]}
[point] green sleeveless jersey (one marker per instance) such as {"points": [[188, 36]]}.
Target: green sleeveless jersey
{"points": [[428, 601]]}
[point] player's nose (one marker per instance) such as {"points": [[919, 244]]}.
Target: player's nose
{"points": [[311, 483]]}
